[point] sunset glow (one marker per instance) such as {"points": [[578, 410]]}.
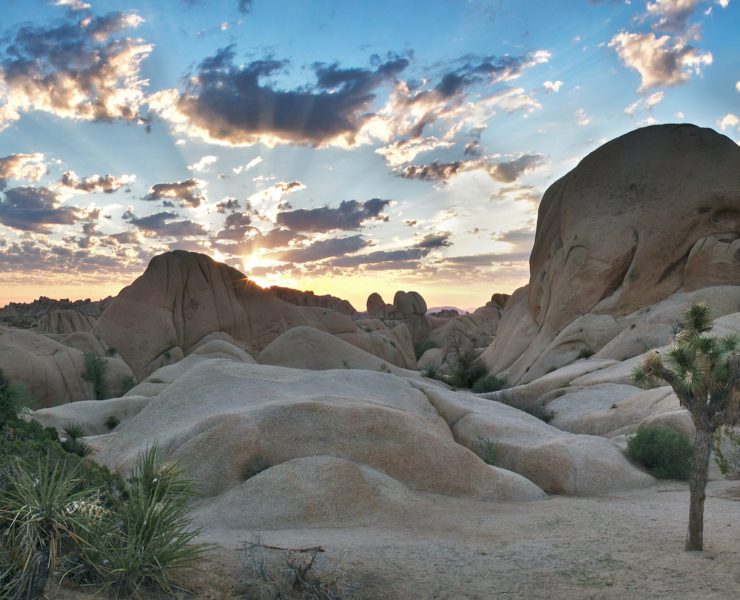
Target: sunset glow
{"points": [[345, 148]]}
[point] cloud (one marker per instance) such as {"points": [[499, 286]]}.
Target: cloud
{"points": [[229, 204], [73, 4], [96, 183], [673, 15], [645, 103], [236, 226], [125, 237], [552, 86], [230, 104], [164, 224], [434, 240], [36, 209], [404, 151], [76, 70], [203, 164], [729, 120], [27, 167], [275, 238], [388, 259], [658, 63], [245, 6], [322, 249], [185, 191], [503, 172], [737, 86], [350, 214], [520, 239], [250, 165], [582, 117], [483, 260]]}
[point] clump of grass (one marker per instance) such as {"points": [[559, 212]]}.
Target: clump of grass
{"points": [[433, 372], [112, 422]]}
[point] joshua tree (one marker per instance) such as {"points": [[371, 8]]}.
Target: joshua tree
{"points": [[704, 372]]}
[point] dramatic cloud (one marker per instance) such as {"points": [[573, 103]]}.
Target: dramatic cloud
{"points": [[96, 183], [236, 226], [672, 15], [185, 191], [405, 150], [164, 224], [503, 172], [77, 70], [229, 104], [125, 237], [323, 249], [389, 259], [658, 62], [276, 238], [428, 114], [484, 260], [351, 214], [36, 209], [230, 205], [434, 240], [27, 167], [519, 239]]}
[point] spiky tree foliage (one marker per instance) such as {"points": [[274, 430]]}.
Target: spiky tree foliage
{"points": [[704, 372]]}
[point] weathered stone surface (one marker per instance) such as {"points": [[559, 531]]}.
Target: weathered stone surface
{"points": [[66, 321], [557, 461], [92, 415], [273, 415], [51, 370]]}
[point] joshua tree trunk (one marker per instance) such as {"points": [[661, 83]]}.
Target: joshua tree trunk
{"points": [[697, 486]]}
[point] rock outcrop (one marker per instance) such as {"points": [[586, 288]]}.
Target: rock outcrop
{"points": [[646, 218], [183, 297]]}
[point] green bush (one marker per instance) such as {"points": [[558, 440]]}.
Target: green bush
{"points": [[14, 399], [467, 372], [433, 372], [489, 383], [112, 422], [95, 367], [664, 452]]}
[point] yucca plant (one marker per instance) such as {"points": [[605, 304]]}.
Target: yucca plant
{"points": [[148, 534], [39, 508], [704, 372]]}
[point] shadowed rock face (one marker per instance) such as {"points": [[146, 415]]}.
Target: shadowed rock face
{"points": [[627, 226], [183, 296]]}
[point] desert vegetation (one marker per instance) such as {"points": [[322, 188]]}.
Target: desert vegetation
{"points": [[704, 372]]}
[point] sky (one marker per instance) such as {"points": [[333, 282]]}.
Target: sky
{"points": [[340, 147]]}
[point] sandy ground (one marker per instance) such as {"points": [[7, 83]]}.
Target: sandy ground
{"points": [[626, 545]]}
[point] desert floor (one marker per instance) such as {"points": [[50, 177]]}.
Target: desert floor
{"points": [[626, 545]]}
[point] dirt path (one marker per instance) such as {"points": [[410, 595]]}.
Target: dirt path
{"points": [[627, 545]]}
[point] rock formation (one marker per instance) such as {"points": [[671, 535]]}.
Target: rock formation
{"points": [[647, 216]]}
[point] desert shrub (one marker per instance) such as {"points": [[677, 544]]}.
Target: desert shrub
{"points": [[146, 536], [422, 346], [94, 372], [302, 574], [127, 383], [488, 383], [585, 352], [112, 422], [666, 453], [467, 371], [433, 372]]}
